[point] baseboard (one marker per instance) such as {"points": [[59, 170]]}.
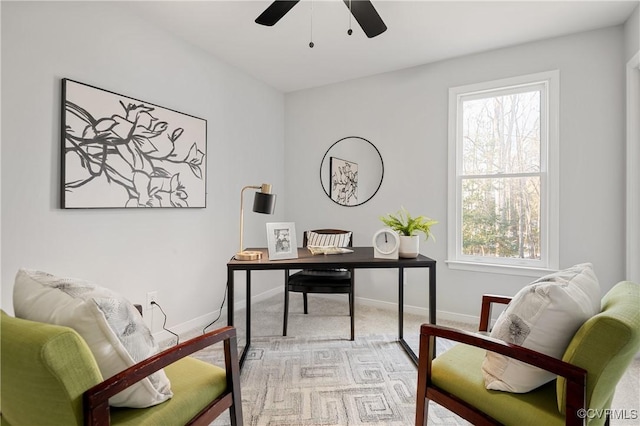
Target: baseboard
{"points": [[204, 320], [240, 306], [417, 310], [194, 324]]}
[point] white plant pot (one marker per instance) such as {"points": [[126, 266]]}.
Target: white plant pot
{"points": [[409, 246]]}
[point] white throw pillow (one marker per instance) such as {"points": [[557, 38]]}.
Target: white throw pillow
{"points": [[113, 329], [332, 240], [542, 316]]}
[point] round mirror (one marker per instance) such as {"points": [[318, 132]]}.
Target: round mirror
{"points": [[351, 171]]}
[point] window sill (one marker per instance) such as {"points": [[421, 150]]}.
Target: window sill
{"points": [[527, 271]]}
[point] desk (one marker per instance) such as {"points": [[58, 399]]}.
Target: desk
{"points": [[361, 258]]}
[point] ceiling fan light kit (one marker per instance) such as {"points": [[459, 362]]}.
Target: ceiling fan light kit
{"points": [[366, 15]]}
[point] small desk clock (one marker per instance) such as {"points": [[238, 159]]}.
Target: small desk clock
{"points": [[386, 244]]}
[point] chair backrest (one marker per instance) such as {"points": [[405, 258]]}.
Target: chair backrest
{"points": [[328, 237], [605, 345], [45, 370]]}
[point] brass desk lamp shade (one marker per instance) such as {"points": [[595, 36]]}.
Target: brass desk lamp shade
{"points": [[263, 202]]}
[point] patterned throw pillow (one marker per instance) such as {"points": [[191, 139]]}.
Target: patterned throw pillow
{"points": [[542, 316], [332, 240], [113, 329]]}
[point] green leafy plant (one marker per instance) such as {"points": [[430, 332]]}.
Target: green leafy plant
{"points": [[403, 223]]}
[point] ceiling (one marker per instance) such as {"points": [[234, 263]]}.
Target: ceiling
{"points": [[419, 32]]}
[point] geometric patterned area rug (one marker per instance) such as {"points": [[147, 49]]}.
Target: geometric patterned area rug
{"points": [[329, 381]]}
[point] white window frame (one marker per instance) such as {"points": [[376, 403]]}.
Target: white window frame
{"points": [[549, 184], [633, 164]]}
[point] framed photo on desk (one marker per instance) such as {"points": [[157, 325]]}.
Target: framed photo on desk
{"points": [[281, 240]]}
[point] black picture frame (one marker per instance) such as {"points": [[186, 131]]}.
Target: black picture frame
{"points": [[118, 151]]}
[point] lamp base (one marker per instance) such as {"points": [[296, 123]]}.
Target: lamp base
{"points": [[248, 255]]}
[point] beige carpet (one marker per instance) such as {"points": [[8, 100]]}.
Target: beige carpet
{"points": [[316, 376], [329, 381]]}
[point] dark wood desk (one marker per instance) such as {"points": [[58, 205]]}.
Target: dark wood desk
{"points": [[361, 258]]}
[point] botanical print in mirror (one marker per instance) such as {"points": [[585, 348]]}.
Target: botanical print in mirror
{"points": [[344, 181], [122, 152]]}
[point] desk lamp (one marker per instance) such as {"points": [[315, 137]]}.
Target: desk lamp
{"points": [[263, 202]]}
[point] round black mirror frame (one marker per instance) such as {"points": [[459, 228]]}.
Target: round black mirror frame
{"points": [[381, 176]]}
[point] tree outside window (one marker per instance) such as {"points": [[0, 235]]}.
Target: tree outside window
{"points": [[500, 186], [501, 176]]}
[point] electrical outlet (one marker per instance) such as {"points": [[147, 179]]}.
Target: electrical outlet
{"points": [[152, 296]]}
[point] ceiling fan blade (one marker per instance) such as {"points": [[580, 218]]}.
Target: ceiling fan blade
{"points": [[367, 16], [275, 12]]}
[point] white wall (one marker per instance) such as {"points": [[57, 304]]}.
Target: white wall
{"points": [[182, 254], [632, 59], [632, 34], [404, 114]]}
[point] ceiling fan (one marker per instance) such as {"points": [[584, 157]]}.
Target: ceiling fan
{"points": [[362, 10]]}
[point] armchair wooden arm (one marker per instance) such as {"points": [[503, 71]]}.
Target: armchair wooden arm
{"points": [[485, 312], [576, 376], [96, 399]]}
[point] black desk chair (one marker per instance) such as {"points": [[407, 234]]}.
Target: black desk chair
{"points": [[328, 281]]}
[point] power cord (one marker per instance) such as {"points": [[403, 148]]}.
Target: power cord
{"points": [[165, 322], [204, 330]]}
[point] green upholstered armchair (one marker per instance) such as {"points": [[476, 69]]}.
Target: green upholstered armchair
{"points": [[50, 377], [593, 363]]}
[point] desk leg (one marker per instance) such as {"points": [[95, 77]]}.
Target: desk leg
{"points": [[401, 340], [248, 324], [352, 305], [230, 300], [401, 303], [432, 294]]}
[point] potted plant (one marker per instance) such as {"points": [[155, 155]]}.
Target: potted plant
{"points": [[408, 227]]}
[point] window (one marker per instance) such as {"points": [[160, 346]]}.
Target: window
{"points": [[503, 181]]}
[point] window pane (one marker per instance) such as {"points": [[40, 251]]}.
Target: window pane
{"points": [[501, 217], [501, 134]]}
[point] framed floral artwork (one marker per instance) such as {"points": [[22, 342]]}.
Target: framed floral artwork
{"points": [[121, 152], [281, 240], [344, 181]]}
